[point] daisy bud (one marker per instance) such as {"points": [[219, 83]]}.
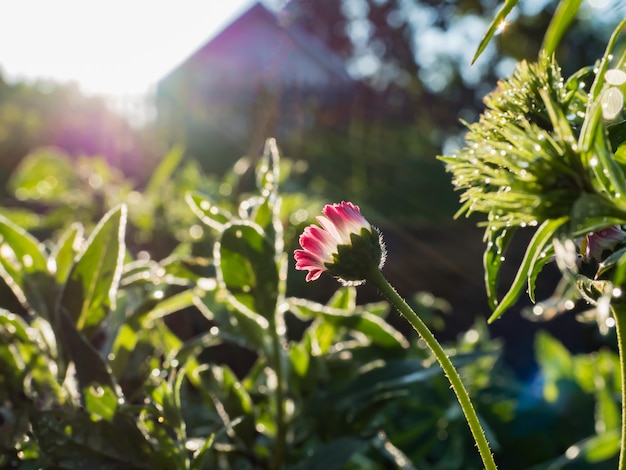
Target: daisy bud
{"points": [[345, 245]]}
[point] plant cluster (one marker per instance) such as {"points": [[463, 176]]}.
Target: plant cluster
{"points": [[547, 153], [113, 357]]}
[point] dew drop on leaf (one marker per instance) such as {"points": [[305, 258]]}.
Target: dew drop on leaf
{"points": [[612, 103]]}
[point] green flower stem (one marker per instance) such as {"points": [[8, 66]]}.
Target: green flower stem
{"points": [[619, 313], [376, 277], [281, 426]]}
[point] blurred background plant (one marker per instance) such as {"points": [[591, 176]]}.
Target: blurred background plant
{"points": [[172, 362], [202, 364]]}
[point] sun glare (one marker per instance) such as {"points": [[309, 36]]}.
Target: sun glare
{"points": [[501, 27], [116, 48]]}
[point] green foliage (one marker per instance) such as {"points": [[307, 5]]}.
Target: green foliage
{"points": [[94, 367], [115, 360], [596, 375], [541, 155], [168, 339]]}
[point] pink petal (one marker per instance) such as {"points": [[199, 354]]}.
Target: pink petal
{"points": [[318, 242], [347, 219], [307, 261]]}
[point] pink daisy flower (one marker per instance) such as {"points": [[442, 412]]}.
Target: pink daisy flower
{"points": [[346, 245]]}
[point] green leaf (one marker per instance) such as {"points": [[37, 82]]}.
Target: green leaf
{"points": [[375, 328], [90, 366], [592, 450], [100, 402], [562, 18], [247, 268], [620, 269], [92, 284], [344, 298], [163, 173], [555, 361], [268, 171], [381, 380], [240, 325], [617, 261], [591, 212], [65, 251], [536, 269], [226, 391], [299, 358], [598, 83], [493, 27], [13, 327], [617, 137], [497, 244], [202, 453], [23, 266], [196, 345], [123, 346], [601, 447], [607, 409], [25, 247], [47, 174], [69, 439], [207, 211], [170, 305], [606, 169], [152, 199], [535, 253]]}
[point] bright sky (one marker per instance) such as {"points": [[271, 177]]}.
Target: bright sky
{"points": [[114, 47]]}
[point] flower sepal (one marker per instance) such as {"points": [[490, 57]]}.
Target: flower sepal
{"points": [[353, 262]]}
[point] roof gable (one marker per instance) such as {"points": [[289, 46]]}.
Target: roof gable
{"points": [[257, 48]]}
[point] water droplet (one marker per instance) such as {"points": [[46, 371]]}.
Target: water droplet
{"points": [[612, 103], [615, 77]]}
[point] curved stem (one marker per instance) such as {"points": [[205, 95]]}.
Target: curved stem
{"points": [[376, 277], [281, 430], [619, 313]]}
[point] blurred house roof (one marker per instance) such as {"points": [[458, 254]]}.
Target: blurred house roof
{"points": [[263, 48]]}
